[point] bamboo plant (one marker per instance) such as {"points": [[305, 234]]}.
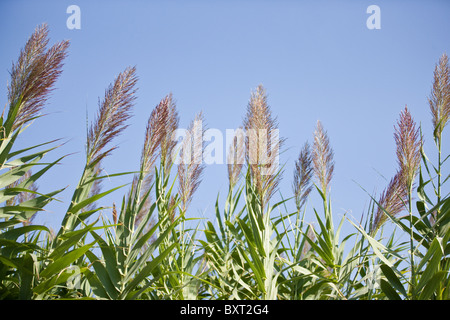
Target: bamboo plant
{"points": [[147, 244]]}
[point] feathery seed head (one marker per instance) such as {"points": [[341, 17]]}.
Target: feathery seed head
{"points": [[114, 111], [303, 173], [33, 76], [439, 100], [191, 165], [161, 126], [322, 156], [409, 145], [263, 145], [395, 196], [170, 125], [392, 200]]}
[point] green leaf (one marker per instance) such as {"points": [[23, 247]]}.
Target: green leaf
{"points": [[28, 208], [432, 284], [134, 265], [7, 212], [389, 291], [147, 270], [19, 246], [13, 234], [393, 279], [6, 145], [109, 255], [96, 285], [26, 272], [101, 280], [376, 246], [435, 252], [64, 261], [67, 240], [9, 223], [15, 153], [90, 200], [9, 262]]}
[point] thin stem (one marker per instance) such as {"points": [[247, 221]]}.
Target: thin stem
{"points": [[411, 239], [439, 175], [439, 139]]}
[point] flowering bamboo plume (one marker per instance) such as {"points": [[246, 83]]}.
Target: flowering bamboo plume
{"points": [[322, 156], [303, 173], [114, 110], [170, 125], [153, 135], [440, 109], [408, 144], [263, 145], [191, 166], [161, 126], [392, 200], [395, 197], [33, 77], [439, 100]]}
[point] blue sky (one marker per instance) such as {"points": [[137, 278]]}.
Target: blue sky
{"points": [[316, 59]]}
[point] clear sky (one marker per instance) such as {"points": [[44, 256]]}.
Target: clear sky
{"points": [[318, 60]]}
